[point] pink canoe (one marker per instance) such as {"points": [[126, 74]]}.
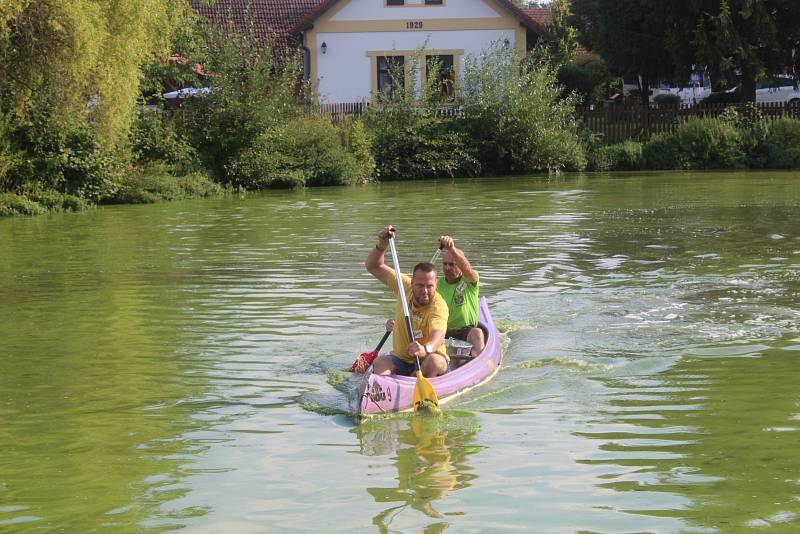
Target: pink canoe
{"points": [[394, 393]]}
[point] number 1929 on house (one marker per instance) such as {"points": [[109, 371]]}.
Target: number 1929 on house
{"points": [[414, 25]]}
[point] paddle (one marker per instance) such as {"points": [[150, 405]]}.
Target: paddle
{"points": [[423, 390], [365, 359], [436, 255]]}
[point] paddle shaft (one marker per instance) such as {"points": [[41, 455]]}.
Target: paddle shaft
{"points": [[383, 340], [436, 254], [402, 290]]}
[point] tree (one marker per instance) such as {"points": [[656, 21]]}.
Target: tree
{"points": [[566, 35], [79, 60], [744, 39], [633, 36]]}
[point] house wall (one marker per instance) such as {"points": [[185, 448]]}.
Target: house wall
{"points": [[355, 32]]}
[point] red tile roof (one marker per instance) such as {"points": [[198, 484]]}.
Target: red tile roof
{"points": [[286, 18], [519, 12], [267, 16], [542, 15]]}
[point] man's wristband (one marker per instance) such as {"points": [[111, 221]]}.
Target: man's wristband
{"points": [[381, 249]]}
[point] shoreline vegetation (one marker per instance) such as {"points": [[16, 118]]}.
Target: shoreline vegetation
{"points": [[257, 128]]}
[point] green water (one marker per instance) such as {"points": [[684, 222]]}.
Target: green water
{"points": [[179, 366]]}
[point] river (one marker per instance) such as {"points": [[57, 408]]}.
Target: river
{"points": [[180, 366]]}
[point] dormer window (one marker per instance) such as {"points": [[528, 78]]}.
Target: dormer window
{"points": [[433, 2], [395, 2]]}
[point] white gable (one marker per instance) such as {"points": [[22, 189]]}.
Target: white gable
{"points": [[378, 10]]}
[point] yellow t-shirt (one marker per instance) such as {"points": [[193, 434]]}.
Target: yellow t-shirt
{"points": [[423, 320]]}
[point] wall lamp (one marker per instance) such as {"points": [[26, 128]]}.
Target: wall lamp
{"points": [[324, 47], [506, 42]]}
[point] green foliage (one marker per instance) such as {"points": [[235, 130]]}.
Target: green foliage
{"points": [[38, 202], [54, 201], [631, 35], [739, 40], [412, 135], [783, 144], [588, 76], [251, 94], [661, 152], [515, 116], [10, 157], [179, 68], [702, 143], [356, 140], [78, 60], [566, 36], [155, 182], [63, 156], [410, 144], [721, 97], [154, 139], [12, 204], [667, 100], [303, 151], [625, 156], [752, 129]]}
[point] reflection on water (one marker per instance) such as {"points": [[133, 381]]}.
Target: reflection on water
{"points": [[430, 454]]}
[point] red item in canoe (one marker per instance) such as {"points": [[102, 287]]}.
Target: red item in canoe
{"points": [[362, 363]]}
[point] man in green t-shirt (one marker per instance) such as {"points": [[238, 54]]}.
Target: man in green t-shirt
{"points": [[459, 288]]}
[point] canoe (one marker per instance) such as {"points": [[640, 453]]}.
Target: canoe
{"points": [[380, 394]]}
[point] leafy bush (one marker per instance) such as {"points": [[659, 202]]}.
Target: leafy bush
{"points": [[153, 140], [54, 201], [588, 76], [410, 144], [752, 129], [250, 94], [661, 152], [12, 204], [721, 97], [154, 182], [356, 140], [412, 135], [667, 100], [62, 156], [515, 116], [625, 156], [304, 151], [783, 144], [708, 143]]}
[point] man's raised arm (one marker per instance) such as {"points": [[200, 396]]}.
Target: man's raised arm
{"points": [[459, 258], [375, 264]]}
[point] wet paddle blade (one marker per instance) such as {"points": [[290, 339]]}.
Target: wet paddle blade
{"points": [[424, 395]]}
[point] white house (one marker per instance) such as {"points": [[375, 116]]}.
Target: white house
{"points": [[350, 45]]}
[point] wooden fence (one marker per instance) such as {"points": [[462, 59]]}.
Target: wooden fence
{"points": [[616, 122], [622, 122]]}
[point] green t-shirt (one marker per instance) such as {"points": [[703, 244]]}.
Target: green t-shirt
{"points": [[462, 301]]}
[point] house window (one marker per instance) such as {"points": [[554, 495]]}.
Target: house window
{"points": [[395, 2], [391, 74], [433, 2], [441, 66]]}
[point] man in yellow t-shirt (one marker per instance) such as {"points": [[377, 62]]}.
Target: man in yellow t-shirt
{"points": [[428, 313]]}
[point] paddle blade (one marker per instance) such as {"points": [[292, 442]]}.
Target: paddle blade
{"points": [[362, 363], [424, 395]]}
